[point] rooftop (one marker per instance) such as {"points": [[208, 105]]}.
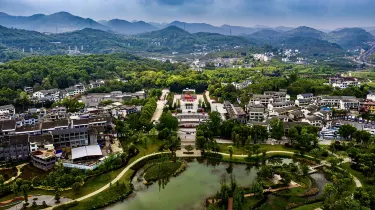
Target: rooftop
{"points": [[7, 124], [44, 154], [7, 107], [36, 127], [59, 123], [91, 150], [41, 140], [19, 139]]}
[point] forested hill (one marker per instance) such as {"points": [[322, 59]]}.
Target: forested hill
{"points": [[101, 42], [177, 39], [311, 41], [64, 71]]}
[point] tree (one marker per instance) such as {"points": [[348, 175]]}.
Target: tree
{"points": [[164, 134], [362, 137], [24, 100], [329, 191], [168, 121], [57, 195], [277, 129], [316, 153], [259, 133], [154, 133], [230, 150], [200, 142], [293, 134], [257, 189], [173, 142], [334, 161], [14, 188], [71, 104], [2, 180], [346, 131], [353, 153], [76, 187], [25, 189], [214, 122], [363, 197], [35, 181]]}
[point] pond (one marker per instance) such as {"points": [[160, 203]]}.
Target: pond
{"points": [[188, 190], [321, 181]]}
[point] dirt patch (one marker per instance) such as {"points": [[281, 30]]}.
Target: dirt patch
{"points": [[29, 172], [8, 173]]}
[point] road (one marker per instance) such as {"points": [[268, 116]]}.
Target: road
{"points": [[160, 106], [362, 59]]}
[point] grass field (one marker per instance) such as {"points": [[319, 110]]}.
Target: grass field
{"points": [[249, 202], [360, 176], [312, 206], [267, 147], [105, 196]]}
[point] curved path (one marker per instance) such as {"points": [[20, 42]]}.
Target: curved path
{"points": [[117, 178], [19, 167], [268, 152], [357, 182]]}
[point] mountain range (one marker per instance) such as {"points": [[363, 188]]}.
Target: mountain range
{"points": [[65, 22], [138, 36], [346, 38]]}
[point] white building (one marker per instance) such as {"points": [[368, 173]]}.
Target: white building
{"points": [[343, 82]]}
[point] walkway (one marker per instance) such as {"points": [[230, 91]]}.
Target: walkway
{"points": [[19, 167], [118, 177], [268, 152], [160, 106]]}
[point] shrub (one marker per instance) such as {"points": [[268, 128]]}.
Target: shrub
{"points": [[213, 155]]}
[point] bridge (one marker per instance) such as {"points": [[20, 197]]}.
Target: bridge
{"points": [[312, 169]]}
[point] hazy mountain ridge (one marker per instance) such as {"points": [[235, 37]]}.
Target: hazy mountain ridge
{"points": [[57, 22], [126, 27], [97, 41], [348, 38]]}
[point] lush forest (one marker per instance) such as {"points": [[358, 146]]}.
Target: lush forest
{"points": [[129, 73], [64, 71]]}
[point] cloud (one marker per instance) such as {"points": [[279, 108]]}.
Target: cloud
{"points": [[315, 13]]}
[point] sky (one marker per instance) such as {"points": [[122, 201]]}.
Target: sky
{"points": [[323, 14]]}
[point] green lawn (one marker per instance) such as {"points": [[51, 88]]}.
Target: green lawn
{"points": [[310, 206], [267, 147], [360, 176], [105, 196], [249, 202]]}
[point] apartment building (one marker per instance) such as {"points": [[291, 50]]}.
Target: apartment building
{"points": [[14, 148], [71, 137]]}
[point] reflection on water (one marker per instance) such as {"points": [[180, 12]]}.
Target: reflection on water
{"points": [[200, 180], [320, 181]]}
